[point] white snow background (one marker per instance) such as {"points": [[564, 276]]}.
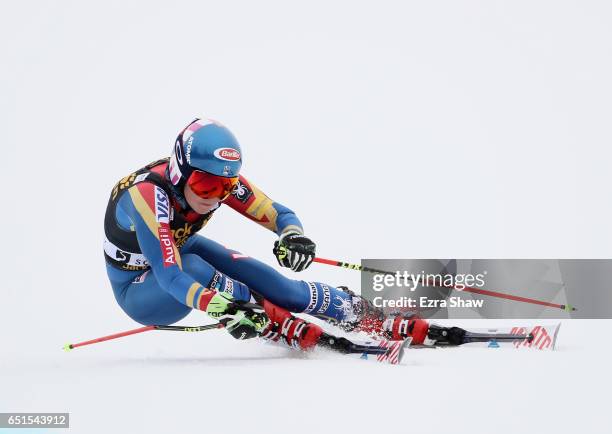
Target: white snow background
{"points": [[394, 129]]}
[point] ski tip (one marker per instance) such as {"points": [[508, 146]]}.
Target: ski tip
{"points": [[555, 334], [67, 347], [396, 351], [405, 345]]}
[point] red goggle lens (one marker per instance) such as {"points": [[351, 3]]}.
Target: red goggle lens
{"points": [[208, 186]]}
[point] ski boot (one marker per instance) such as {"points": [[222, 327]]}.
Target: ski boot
{"points": [[399, 326], [287, 329]]}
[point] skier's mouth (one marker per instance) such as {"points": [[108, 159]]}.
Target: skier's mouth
{"points": [[207, 202], [202, 206]]}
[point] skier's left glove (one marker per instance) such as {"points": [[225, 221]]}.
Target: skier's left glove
{"points": [[241, 323], [294, 250]]}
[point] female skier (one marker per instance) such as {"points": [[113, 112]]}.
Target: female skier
{"points": [[160, 268]]}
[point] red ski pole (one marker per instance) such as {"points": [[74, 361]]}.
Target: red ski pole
{"points": [[69, 347], [341, 264]]}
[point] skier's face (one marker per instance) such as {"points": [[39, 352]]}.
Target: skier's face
{"points": [[199, 204]]}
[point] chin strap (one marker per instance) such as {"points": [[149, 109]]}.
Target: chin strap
{"points": [[177, 194]]}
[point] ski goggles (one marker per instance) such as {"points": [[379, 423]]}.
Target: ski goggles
{"points": [[209, 186]]}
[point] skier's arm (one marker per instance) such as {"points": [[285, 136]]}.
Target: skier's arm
{"points": [[253, 203], [147, 207], [292, 250]]}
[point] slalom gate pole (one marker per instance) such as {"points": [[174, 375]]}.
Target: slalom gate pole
{"points": [[497, 294]]}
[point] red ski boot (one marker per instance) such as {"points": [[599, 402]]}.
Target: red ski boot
{"points": [[373, 321], [288, 329]]}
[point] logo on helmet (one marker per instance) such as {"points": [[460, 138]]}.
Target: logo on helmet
{"points": [[179, 155], [227, 154], [188, 151]]}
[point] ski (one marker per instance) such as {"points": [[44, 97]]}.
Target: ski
{"points": [[537, 337], [385, 351]]}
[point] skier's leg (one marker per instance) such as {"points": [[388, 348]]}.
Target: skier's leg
{"points": [[143, 300], [399, 326], [206, 274], [141, 297], [314, 298]]}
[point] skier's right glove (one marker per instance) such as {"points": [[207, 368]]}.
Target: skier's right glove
{"points": [[294, 250], [240, 323]]}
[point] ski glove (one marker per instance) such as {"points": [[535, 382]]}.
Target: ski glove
{"points": [[295, 251], [240, 323]]}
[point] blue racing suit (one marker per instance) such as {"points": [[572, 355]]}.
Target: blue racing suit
{"points": [[160, 269]]}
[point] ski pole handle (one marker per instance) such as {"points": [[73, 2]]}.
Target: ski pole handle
{"points": [[351, 266]]}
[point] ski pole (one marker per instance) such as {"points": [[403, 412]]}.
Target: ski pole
{"points": [[351, 266], [565, 307], [69, 347]]}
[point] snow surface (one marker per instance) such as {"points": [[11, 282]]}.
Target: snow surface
{"points": [[408, 129], [174, 382]]}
